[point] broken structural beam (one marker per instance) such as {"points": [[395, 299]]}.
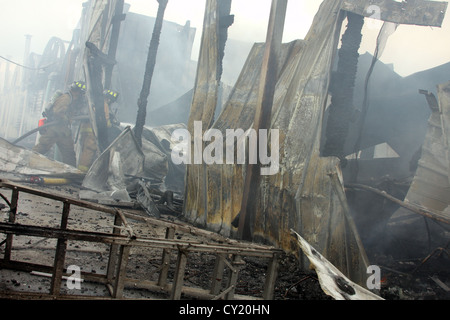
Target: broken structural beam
{"points": [[418, 12], [410, 206]]}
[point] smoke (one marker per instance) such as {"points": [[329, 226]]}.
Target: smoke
{"points": [[41, 19], [412, 48]]}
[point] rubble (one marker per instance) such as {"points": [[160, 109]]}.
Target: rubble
{"points": [[136, 225]]}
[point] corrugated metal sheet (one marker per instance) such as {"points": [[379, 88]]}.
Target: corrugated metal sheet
{"points": [[431, 187], [203, 108], [301, 196], [307, 194]]}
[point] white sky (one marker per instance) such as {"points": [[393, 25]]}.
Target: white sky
{"points": [[410, 49]]}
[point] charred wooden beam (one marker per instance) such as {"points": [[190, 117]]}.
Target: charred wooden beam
{"points": [[225, 21], [149, 69], [119, 16], [427, 213], [342, 88]]}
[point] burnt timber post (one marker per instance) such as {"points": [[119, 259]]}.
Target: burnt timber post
{"points": [[93, 61], [263, 113], [149, 68], [342, 85], [118, 17]]}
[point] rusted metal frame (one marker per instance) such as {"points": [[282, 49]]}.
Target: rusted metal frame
{"points": [[271, 277], [221, 261], [125, 223], [124, 253], [63, 235], [30, 267], [84, 204], [48, 232], [165, 261], [268, 80], [124, 240], [80, 203], [196, 232], [120, 280], [217, 276], [113, 256], [11, 219], [232, 280], [97, 278], [6, 200], [60, 254], [179, 275], [202, 247]]}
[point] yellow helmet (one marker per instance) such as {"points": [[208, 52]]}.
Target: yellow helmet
{"points": [[111, 95], [80, 85]]}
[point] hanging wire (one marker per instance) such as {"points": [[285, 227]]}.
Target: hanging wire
{"points": [[29, 68], [386, 31]]}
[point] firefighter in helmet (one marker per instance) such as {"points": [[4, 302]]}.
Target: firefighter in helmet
{"points": [[63, 107], [87, 137]]}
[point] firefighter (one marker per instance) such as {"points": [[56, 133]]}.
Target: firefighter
{"points": [[61, 109], [87, 137], [110, 97]]}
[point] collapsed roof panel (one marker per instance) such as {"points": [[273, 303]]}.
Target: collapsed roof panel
{"points": [[417, 12], [16, 161]]}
